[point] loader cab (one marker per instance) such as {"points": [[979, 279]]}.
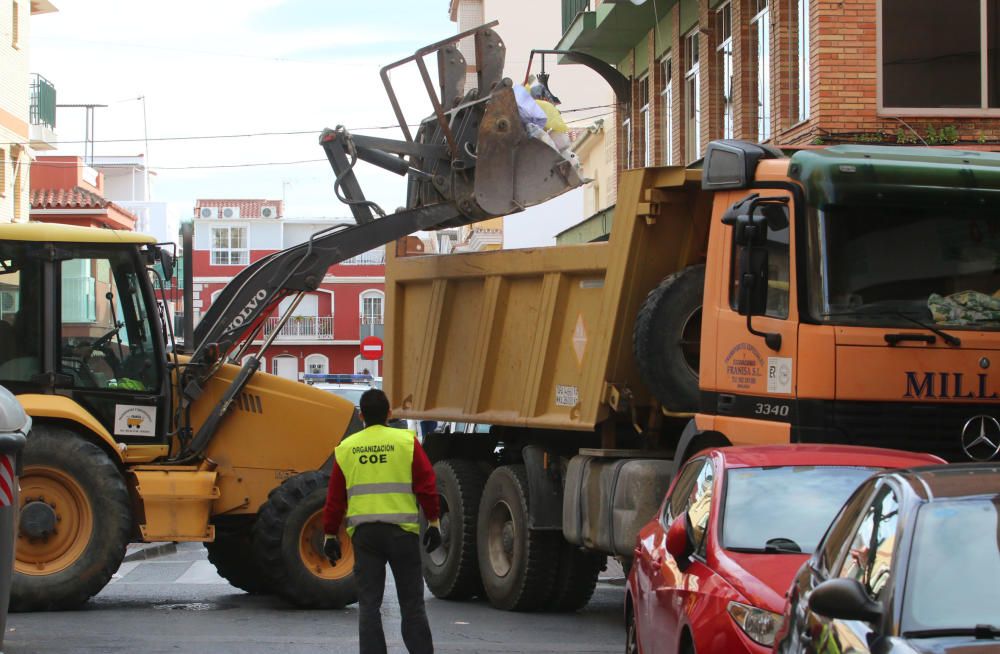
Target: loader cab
{"points": [[79, 319]]}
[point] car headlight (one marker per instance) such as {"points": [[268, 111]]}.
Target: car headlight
{"points": [[760, 625]]}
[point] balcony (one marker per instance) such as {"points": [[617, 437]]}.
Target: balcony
{"points": [[42, 114], [570, 8], [302, 328], [371, 326], [371, 258], [610, 29]]}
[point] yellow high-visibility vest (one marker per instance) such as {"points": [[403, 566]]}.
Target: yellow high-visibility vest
{"points": [[377, 463]]}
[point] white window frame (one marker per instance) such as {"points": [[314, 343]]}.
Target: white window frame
{"points": [[725, 51], [627, 133], [647, 126], [761, 21], [360, 363], [369, 294], [243, 253], [274, 362], [805, 74], [667, 104], [318, 358], [983, 109], [692, 97]]}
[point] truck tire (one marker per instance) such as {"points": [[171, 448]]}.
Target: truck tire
{"points": [[667, 338], [517, 564], [575, 579], [232, 555], [75, 521], [288, 546], [452, 571]]}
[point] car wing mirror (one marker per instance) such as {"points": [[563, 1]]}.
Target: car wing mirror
{"points": [[844, 599], [679, 543]]}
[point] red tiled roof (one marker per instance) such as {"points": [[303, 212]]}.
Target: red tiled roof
{"points": [[67, 198], [248, 208]]}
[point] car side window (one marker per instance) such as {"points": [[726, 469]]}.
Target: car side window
{"points": [[681, 491], [699, 504], [841, 527], [869, 559]]}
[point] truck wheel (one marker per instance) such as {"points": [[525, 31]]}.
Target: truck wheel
{"points": [[232, 555], [75, 521], [288, 546], [666, 340], [517, 564], [452, 571], [576, 578]]}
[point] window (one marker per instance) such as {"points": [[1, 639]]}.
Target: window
{"points": [[724, 27], [681, 491], [371, 308], [869, 559], [778, 263], [15, 24], [229, 246], [699, 505], [20, 312], [692, 95], [647, 127], [626, 140], [317, 364], [667, 108], [935, 60], [803, 64], [760, 33]]}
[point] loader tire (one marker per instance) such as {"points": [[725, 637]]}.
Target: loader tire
{"points": [[517, 564], [666, 340], [576, 578], [75, 521], [232, 555], [288, 546], [452, 570]]}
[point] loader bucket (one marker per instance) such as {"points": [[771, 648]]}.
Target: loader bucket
{"points": [[514, 170]]}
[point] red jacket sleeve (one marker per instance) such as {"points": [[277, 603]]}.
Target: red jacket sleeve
{"points": [[336, 501], [425, 483]]}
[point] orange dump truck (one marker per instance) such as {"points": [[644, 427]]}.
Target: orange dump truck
{"points": [[840, 295]]}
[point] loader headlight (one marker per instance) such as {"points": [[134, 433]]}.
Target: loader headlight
{"points": [[760, 625]]}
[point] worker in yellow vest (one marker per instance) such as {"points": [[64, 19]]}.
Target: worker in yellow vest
{"points": [[379, 476]]}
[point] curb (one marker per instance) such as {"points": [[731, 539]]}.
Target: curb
{"points": [[142, 551]]}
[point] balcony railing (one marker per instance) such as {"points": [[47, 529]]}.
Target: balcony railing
{"points": [[570, 8], [370, 258], [43, 102], [302, 327]]}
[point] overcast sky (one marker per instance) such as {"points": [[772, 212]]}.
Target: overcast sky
{"points": [[242, 67]]}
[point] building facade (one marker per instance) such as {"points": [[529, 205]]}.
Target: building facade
{"points": [[324, 331], [27, 107], [794, 73], [67, 191]]}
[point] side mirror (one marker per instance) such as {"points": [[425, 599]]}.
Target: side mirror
{"points": [[167, 263], [679, 541], [844, 599]]}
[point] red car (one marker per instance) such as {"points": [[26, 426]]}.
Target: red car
{"points": [[711, 570]]}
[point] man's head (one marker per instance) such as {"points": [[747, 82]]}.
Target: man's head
{"points": [[374, 407]]}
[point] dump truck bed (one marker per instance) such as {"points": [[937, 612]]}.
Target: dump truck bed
{"points": [[534, 337]]}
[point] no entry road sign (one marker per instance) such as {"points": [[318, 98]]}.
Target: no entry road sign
{"points": [[371, 348]]}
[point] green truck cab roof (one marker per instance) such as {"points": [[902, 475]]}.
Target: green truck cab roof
{"points": [[50, 232], [897, 175]]}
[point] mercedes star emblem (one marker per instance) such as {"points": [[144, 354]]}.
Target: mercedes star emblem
{"points": [[981, 438]]}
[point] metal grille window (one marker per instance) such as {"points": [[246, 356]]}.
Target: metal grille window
{"points": [[229, 246], [760, 28], [647, 127], [371, 309], [724, 26], [667, 108], [804, 79], [692, 95]]}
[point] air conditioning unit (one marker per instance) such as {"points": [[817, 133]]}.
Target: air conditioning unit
{"points": [[268, 212], [208, 212], [230, 212]]}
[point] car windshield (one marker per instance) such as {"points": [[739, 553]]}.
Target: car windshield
{"points": [[784, 509], [353, 395], [892, 266], [956, 550]]}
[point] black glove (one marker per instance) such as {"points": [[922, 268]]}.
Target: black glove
{"points": [[432, 539], [331, 547]]}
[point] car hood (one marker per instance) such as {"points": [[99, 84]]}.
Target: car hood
{"points": [[951, 645], [761, 578]]}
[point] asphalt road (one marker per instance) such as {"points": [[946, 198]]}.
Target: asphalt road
{"points": [[176, 603]]}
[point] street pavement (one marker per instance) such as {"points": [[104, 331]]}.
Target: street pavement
{"points": [[176, 603]]}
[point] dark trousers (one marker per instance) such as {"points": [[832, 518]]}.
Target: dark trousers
{"points": [[376, 544]]}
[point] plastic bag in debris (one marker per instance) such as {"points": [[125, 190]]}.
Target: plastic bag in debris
{"points": [[528, 109]]}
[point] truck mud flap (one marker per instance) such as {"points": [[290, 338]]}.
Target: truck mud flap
{"points": [[545, 494]]}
